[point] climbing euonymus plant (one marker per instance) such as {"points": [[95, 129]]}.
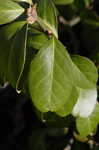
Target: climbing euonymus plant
{"points": [[34, 61]]}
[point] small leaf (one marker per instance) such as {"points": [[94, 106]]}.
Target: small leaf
{"points": [[47, 16], [85, 126], [9, 11], [86, 102], [63, 2]]}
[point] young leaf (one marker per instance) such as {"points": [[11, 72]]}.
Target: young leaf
{"points": [[9, 11], [63, 2], [85, 103], [85, 126], [47, 16]]}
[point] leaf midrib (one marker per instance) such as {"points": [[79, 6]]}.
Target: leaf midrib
{"points": [[52, 71]]}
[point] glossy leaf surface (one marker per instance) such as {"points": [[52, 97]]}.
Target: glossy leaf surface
{"points": [[53, 75], [9, 11]]}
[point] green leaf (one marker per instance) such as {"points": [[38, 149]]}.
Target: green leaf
{"points": [[86, 126], [85, 103], [87, 97], [17, 57], [63, 2], [9, 11], [87, 67], [45, 83], [67, 108], [12, 53], [36, 39], [12, 29], [53, 75], [27, 1], [47, 16]]}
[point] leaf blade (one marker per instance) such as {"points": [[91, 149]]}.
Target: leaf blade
{"points": [[85, 126], [9, 11], [47, 16]]}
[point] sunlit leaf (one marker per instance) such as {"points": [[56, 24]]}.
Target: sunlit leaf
{"points": [[9, 11], [85, 103], [86, 126], [53, 75], [45, 82]]}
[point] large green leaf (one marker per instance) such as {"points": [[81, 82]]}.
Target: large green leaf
{"points": [[87, 125], [53, 75], [12, 53], [47, 16], [9, 11], [63, 2], [47, 77]]}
